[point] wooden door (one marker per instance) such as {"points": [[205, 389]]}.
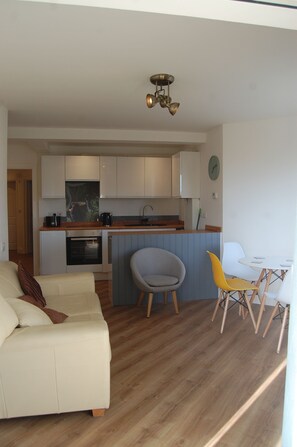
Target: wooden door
{"points": [[19, 197], [12, 215]]}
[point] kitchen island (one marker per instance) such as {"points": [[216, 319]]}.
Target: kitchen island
{"points": [[54, 244], [189, 246]]}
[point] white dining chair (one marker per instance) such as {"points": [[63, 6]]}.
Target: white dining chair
{"points": [[232, 252], [283, 300]]}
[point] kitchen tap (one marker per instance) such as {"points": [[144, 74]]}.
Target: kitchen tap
{"points": [[143, 217]]}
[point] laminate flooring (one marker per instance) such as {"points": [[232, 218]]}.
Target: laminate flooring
{"points": [[175, 382]]}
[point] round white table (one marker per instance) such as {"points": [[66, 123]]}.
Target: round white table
{"points": [[272, 268]]}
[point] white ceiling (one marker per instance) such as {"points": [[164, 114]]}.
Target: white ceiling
{"points": [[69, 66]]}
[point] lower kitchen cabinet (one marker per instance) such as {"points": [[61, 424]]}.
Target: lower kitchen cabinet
{"points": [[52, 252]]}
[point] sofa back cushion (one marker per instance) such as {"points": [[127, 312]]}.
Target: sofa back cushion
{"points": [[9, 283], [28, 314], [54, 315], [8, 320]]}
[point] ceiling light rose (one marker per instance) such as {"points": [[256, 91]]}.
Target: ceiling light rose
{"points": [[160, 96]]}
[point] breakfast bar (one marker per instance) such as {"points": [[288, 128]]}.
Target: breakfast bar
{"points": [[189, 246]]}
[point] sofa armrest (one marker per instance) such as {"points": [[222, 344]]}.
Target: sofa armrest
{"points": [[35, 337], [66, 365], [66, 283]]}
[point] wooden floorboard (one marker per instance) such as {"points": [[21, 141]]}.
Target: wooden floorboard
{"points": [[175, 382]]}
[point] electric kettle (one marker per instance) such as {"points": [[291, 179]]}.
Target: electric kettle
{"points": [[106, 219]]}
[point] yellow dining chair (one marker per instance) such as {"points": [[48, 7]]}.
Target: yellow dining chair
{"points": [[227, 286]]}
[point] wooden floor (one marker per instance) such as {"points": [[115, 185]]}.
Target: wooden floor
{"points": [[175, 382]]}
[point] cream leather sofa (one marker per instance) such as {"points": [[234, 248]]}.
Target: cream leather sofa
{"points": [[54, 368]]}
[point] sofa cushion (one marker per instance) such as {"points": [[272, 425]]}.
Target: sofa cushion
{"points": [[8, 319], [85, 317], [28, 314], [29, 285], [54, 315], [9, 282], [76, 304]]}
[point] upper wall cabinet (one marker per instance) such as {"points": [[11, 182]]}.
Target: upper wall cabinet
{"points": [[108, 177], [130, 176], [82, 167], [157, 177], [186, 175], [53, 177]]}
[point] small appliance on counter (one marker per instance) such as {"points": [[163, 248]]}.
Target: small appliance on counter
{"points": [[52, 221], [106, 219]]}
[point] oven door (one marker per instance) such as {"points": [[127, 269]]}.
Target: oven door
{"points": [[84, 250]]}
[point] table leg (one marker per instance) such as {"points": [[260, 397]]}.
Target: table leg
{"points": [[268, 277]]}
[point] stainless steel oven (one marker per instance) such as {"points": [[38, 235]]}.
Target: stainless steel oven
{"points": [[84, 250]]}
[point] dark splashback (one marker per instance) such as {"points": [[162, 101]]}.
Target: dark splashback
{"points": [[82, 201]]}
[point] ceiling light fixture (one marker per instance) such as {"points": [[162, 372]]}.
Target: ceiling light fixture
{"points": [[161, 81]]}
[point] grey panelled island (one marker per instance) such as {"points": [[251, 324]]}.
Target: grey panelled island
{"points": [[189, 246]]}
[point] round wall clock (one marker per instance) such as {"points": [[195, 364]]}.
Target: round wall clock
{"points": [[213, 167]]}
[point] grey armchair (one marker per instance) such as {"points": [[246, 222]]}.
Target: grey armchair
{"points": [[157, 270]]}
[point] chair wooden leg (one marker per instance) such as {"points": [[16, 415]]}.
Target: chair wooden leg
{"points": [[250, 309], [256, 292], [285, 317], [240, 308], [217, 305], [242, 311], [165, 297], [225, 312], [140, 298], [270, 319], [174, 299], [149, 304]]}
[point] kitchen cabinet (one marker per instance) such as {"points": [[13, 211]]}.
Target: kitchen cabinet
{"points": [[186, 175], [52, 252], [82, 167], [108, 176], [157, 177], [130, 177], [53, 177]]}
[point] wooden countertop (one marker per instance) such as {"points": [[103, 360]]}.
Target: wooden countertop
{"points": [[147, 231], [116, 226]]}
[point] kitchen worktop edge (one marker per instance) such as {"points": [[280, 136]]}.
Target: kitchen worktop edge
{"points": [[118, 226]]}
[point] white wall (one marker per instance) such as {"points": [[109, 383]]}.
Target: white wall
{"points": [[3, 185], [211, 207], [260, 186], [134, 207]]}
